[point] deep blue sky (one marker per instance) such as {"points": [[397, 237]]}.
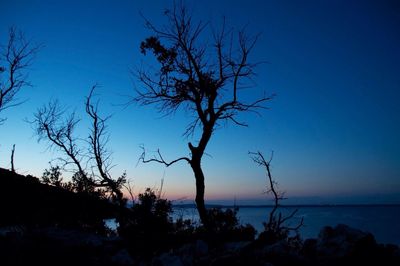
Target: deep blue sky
{"points": [[334, 125]]}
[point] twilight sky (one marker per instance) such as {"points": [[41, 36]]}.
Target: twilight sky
{"points": [[334, 125]]}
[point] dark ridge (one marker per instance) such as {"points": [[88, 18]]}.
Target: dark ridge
{"points": [[26, 201]]}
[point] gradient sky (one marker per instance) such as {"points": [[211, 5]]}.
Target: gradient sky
{"points": [[334, 125]]}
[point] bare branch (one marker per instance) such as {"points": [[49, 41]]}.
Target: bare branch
{"points": [[15, 57], [276, 222], [159, 158], [187, 79], [129, 187], [98, 151], [51, 125]]}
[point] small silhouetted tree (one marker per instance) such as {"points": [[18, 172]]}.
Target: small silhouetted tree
{"points": [[15, 58], [149, 224], [205, 80], [277, 225], [52, 176], [52, 124]]}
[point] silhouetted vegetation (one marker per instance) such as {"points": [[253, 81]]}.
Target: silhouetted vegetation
{"points": [[202, 79], [48, 224], [225, 226], [52, 176], [58, 222], [149, 225], [53, 125], [27, 202], [276, 228]]}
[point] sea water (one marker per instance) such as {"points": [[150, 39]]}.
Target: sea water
{"points": [[383, 221]]}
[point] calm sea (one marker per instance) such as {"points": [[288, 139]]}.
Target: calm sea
{"points": [[382, 221]]}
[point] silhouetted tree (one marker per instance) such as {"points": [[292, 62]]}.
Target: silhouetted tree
{"points": [[52, 176], [204, 80], [15, 57], [149, 223], [276, 227], [53, 125]]}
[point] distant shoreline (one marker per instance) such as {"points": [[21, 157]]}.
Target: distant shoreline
{"points": [[285, 206]]}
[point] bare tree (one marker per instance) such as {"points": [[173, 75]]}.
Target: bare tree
{"points": [[15, 58], [92, 163], [276, 222], [205, 80], [98, 151]]}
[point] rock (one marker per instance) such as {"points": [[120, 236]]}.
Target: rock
{"points": [[342, 241], [201, 248], [309, 247], [188, 253], [167, 259], [225, 260], [281, 253], [122, 257], [12, 230], [279, 248], [235, 246], [71, 237], [197, 249]]}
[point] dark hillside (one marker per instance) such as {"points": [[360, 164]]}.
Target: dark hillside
{"points": [[26, 201]]}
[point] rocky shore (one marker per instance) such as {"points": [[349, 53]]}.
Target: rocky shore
{"points": [[339, 245]]}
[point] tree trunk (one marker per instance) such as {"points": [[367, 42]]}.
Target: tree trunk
{"points": [[12, 159], [195, 163], [200, 188]]}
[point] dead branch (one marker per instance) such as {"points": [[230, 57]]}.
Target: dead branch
{"points": [[276, 221], [53, 125], [159, 158], [15, 58]]}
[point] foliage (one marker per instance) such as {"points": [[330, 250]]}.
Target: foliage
{"points": [[152, 212], [149, 224], [225, 226], [52, 176]]}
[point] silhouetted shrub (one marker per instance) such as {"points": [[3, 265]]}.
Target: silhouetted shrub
{"points": [[52, 176], [149, 224], [224, 226]]}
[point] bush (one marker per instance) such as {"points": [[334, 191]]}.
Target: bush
{"points": [[148, 225], [224, 226]]}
